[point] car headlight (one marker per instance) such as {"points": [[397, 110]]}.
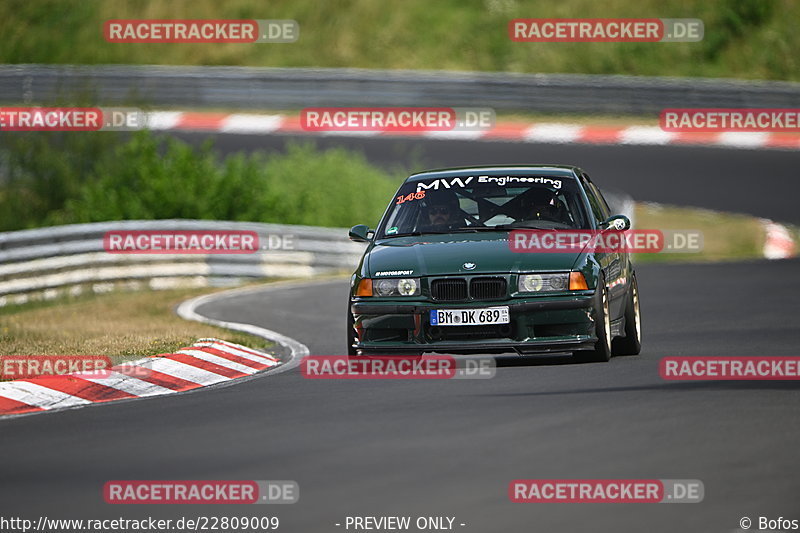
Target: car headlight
{"points": [[543, 282], [396, 287]]}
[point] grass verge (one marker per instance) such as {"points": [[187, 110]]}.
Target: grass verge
{"points": [[121, 325], [726, 236]]}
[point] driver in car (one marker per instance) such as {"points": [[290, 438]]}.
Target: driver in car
{"points": [[441, 213], [542, 204]]}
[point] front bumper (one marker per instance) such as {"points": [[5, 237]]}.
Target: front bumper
{"points": [[538, 325]]}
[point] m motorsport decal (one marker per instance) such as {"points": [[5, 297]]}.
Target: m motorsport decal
{"points": [[394, 273]]}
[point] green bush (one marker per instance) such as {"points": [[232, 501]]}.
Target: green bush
{"points": [[63, 179]]}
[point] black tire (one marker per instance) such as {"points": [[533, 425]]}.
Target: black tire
{"points": [[351, 333], [631, 343], [602, 348]]}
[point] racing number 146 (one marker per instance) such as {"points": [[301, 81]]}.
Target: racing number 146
{"points": [[411, 196]]}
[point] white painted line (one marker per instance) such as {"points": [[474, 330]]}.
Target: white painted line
{"points": [[344, 133], [464, 135], [186, 372], [221, 361], [128, 384], [743, 139], [645, 135], [297, 350], [38, 396], [250, 123], [553, 132], [163, 120], [779, 243]]}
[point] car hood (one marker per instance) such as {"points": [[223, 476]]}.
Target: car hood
{"points": [[434, 255]]}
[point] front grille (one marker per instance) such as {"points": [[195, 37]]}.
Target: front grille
{"points": [[487, 288], [449, 290]]}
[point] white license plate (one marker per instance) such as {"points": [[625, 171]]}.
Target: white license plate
{"points": [[470, 317]]}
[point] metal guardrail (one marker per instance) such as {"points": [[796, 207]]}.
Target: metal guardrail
{"points": [[45, 261], [284, 88]]}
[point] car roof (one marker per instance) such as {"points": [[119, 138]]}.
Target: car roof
{"points": [[563, 171]]}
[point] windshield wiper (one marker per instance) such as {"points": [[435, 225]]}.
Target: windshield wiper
{"points": [[537, 224], [499, 227], [462, 229], [415, 234], [528, 224]]}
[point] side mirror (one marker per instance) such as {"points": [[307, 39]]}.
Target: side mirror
{"points": [[617, 222], [360, 233]]}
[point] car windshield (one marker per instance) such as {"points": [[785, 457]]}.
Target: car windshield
{"points": [[484, 203]]}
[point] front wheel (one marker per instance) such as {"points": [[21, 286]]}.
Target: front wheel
{"points": [[351, 333], [602, 348], [631, 343]]}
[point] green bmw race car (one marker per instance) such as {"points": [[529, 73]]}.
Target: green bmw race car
{"points": [[440, 273]]}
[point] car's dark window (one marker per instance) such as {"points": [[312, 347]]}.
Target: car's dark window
{"points": [[475, 203], [596, 202], [603, 203]]}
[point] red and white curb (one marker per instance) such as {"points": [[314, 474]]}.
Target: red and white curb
{"points": [[779, 243], [207, 362], [539, 132]]}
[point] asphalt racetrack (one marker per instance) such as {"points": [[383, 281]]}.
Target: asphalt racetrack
{"points": [[450, 448]]}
